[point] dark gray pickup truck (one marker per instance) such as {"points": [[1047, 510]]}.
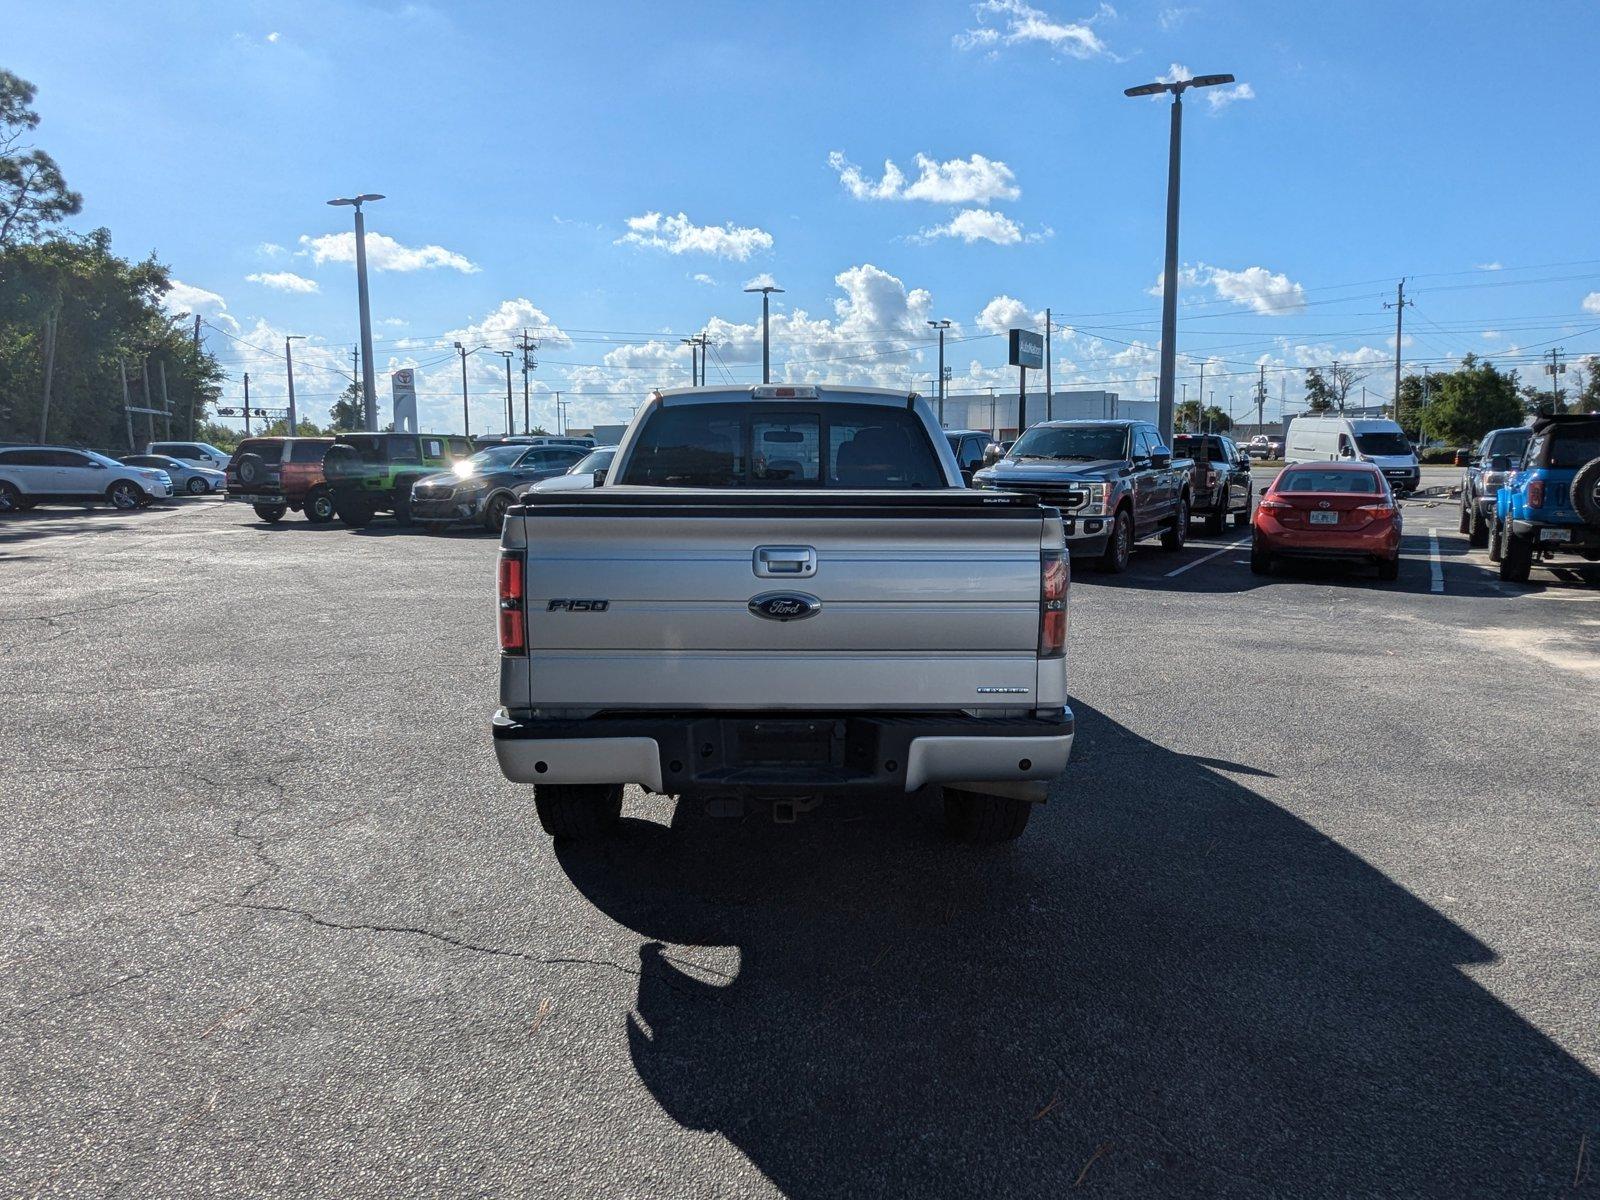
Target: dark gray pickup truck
{"points": [[1115, 483]]}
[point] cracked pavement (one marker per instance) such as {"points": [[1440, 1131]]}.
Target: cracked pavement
{"points": [[277, 927]]}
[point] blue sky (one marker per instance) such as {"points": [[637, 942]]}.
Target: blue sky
{"points": [[612, 175]]}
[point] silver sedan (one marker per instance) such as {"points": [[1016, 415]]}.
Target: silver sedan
{"points": [[186, 477]]}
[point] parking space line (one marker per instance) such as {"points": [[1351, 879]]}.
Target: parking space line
{"points": [[1436, 566], [1207, 558]]}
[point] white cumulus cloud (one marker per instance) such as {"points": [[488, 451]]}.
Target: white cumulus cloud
{"points": [[762, 280], [975, 179], [1591, 302], [1270, 293], [1013, 23], [702, 277], [284, 281], [679, 235], [1221, 97], [384, 253], [977, 225], [1006, 312]]}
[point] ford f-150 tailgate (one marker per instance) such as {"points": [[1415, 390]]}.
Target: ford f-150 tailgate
{"points": [[647, 598]]}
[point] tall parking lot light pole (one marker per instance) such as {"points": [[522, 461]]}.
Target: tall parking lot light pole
{"points": [[369, 391], [288, 362], [511, 412], [1169, 277], [766, 329], [466, 411], [941, 325]]}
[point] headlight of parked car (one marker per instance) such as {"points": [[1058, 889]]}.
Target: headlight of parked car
{"points": [[1097, 498]]}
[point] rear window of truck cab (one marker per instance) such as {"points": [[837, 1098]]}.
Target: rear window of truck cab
{"points": [[789, 446]]}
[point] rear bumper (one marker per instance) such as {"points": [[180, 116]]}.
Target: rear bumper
{"points": [[257, 497], [789, 755], [1546, 535], [1376, 541]]}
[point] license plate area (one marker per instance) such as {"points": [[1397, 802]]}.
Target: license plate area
{"points": [[1556, 535], [785, 743], [1324, 518]]}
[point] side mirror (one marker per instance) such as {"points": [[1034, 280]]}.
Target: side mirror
{"points": [[1264, 488], [1500, 462], [600, 477], [1161, 460], [1347, 452], [1463, 458], [966, 476]]}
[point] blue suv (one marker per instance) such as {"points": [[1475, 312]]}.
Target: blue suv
{"points": [[1550, 504]]}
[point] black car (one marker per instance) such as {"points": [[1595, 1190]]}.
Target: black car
{"points": [[1221, 479], [480, 489]]}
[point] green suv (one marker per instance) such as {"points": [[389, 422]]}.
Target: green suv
{"points": [[369, 473]]}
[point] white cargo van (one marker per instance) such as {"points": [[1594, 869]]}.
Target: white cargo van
{"points": [[1355, 439]]}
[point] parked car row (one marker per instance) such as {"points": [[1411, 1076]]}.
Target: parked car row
{"points": [[33, 475], [435, 480]]}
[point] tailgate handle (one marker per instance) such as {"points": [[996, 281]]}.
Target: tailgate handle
{"points": [[787, 562]]}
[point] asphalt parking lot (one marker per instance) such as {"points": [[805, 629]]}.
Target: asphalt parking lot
{"points": [[1314, 912]]}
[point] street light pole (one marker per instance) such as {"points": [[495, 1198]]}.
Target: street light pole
{"points": [[941, 325], [466, 411], [1169, 277], [766, 344], [369, 391], [288, 361], [511, 412]]}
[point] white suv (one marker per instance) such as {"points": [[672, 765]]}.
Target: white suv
{"points": [[32, 475]]}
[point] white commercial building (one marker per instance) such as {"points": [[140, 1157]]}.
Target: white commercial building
{"points": [[997, 412]]}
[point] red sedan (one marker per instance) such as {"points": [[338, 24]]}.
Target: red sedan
{"points": [[1328, 510]]}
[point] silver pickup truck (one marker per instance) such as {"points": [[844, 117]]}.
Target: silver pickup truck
{"points": [[781, 594]]}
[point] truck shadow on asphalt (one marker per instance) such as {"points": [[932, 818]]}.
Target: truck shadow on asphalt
{"points": [[1169, 986]]}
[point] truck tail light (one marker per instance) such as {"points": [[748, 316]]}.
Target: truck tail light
{"points": [[1211, 479], [1054, 579], [513, 625], [1535, 493]]}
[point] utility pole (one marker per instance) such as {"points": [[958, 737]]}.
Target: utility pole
{"points": [[122, 369], [1556, 367], [511, 412], [1261, 399], [528, 345], [149, 416], [49, 371], [941, 325], [1399, 307], [246, 403], [288, 362], [705, 357], [165, 403], [694, 369], [1201, 391], [1334, 379], [1049, 386], [197, 333]]}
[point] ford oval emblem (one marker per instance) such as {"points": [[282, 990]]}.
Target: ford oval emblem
{"points": [[785, 606]]}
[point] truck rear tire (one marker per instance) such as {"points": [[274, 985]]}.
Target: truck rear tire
{"points": [[1477, 530], [578, 811], [1177, 534], [1516, 557], [983, 819]]}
